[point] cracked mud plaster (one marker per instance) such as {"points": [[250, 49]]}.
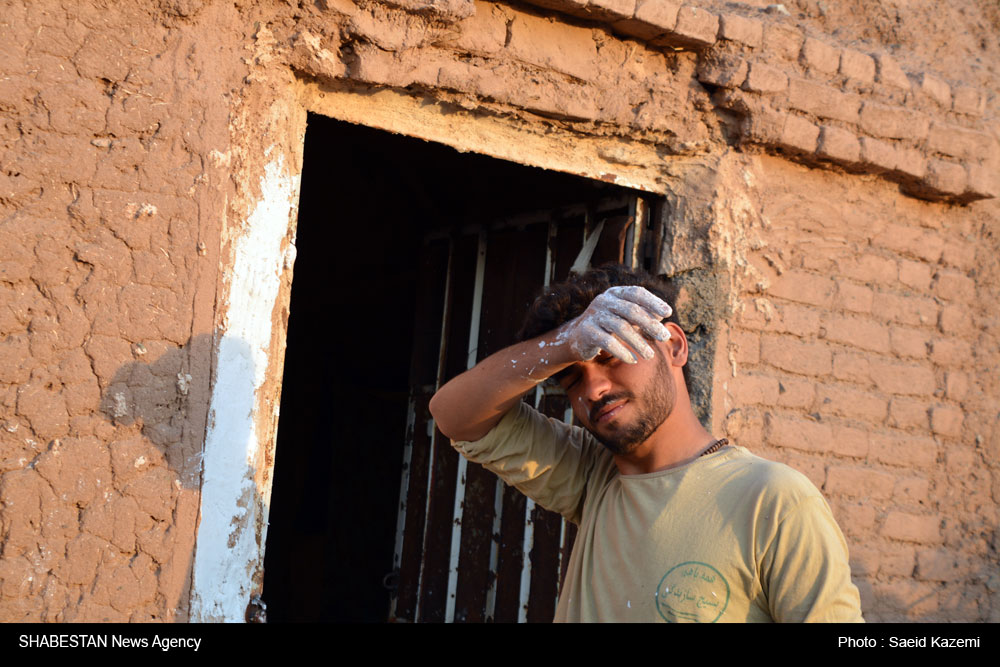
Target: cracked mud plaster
{"points": [[117, 138], [103, 200]]}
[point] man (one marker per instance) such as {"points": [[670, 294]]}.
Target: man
{"points": [[674, 525]]}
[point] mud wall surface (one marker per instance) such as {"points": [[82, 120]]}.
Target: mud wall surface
{"points": [[109, 239], [862, 352], [830, 170]]}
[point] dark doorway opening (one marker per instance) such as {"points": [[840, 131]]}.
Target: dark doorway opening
{"points": [[357, 334]]}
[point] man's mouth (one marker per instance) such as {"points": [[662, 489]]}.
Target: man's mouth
{"points": [[607, 408]]}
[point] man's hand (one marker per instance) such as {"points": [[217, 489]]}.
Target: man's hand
{"points": [[470, 405], [614, 318]]}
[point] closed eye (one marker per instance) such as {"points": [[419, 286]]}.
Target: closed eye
{"points": [[569, 378]]}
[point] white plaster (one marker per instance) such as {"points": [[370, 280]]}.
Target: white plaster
{"points": [[228, 553]]}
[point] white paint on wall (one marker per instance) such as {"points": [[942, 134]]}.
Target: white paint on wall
{"points": [[228, 552]]}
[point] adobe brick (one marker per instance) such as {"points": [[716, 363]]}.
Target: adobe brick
{"points": [[855, 518], [745, 426], [852, 403], [860, 333], [754, 389], [820, 56], [856, 298], [906, 527], [956, 385], [951, 353], [796, 433], [850, 441], [858, 482], [803, 287], [947, 420], [955, 286], [896, 560], [983, 181], [906, 309], [799, 134], [823, 101], [905, 451], [911, 600], [858, 66], [910, 162], [740, 29], [724, 72], [809, 465], [783, 40], [745, 346], [794, 319], [915, 274], [890, 73], [852, 367], [961, 255], [909, 413], [869, 268], [958, 142], [878, 153], [755, 314], [567, 49], [695, 26], [610, 10], [765, 125], [907, 342], [911, 241], [838, 144], [955, 319], [890, 122], [943, 565], [968, 100], [764, 79], [903, 379], [795, 356], [795, 393], [652, 18], [864, 561], [483, 32], [961, 461], [911, 490], [936, 89]]}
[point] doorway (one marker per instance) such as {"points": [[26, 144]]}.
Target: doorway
{"points": [[414, 261]]}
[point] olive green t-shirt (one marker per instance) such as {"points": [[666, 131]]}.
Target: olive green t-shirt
{"points": [[728, 537]]}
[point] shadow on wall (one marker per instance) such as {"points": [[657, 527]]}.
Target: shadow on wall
{"points": [[158, 398], [99, 524]]}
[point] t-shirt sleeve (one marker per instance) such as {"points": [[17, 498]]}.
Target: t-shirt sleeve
{"points": [[546, 459], [804, 567]]}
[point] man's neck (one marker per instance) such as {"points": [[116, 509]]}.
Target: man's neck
{"points": [[679, 439]]}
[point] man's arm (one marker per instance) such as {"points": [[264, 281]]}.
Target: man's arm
{"points": [[806, 573], [471, 404]]}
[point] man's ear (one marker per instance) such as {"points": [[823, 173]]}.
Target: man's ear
{"points": [[676, 348]]}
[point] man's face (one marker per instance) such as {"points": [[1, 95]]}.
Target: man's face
{"points": [[621, 404]]}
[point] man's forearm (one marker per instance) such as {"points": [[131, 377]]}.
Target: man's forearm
{"points": [[471, 404]]}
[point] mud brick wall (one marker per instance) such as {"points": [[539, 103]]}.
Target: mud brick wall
{"points": [[107, 278], [862, 353], [856, 339]]}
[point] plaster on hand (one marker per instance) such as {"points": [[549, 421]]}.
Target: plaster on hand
{"points": [[615, 317]]}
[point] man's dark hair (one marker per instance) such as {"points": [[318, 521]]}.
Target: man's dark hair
{"points": [[563, 301]]}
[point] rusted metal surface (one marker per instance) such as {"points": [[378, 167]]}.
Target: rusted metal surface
{"points": [[444, 459], [430, 316]]}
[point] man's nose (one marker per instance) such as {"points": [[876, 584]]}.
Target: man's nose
{"points": [[594, 383]]}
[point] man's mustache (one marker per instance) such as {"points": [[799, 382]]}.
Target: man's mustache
{"points": [[604, 402]]}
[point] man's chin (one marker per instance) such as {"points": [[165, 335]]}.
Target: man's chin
{"points": [[617, 443]]}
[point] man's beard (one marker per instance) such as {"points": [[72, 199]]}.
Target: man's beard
{"points": [[653, 407]]}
